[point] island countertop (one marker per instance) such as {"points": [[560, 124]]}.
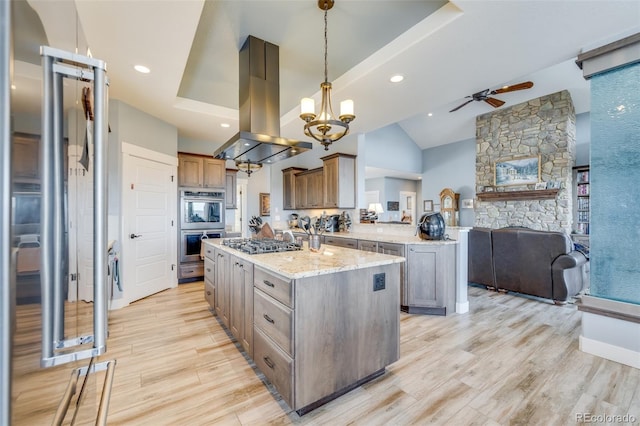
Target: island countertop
{"points": [[305, 263]]}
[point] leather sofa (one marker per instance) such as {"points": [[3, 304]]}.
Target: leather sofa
{"points": [[523, 260]]}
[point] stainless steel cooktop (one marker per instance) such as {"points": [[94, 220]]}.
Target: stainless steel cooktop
{"points": [[260, 245]]}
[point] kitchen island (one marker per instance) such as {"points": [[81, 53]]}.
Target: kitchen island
{"points": [[316, 324]]}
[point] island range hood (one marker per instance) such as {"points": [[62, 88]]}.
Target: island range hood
{"points": [[258, 140]]}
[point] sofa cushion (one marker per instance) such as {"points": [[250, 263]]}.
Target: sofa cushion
{"points": [[480, 267]]}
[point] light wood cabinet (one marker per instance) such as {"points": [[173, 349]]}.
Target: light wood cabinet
{"points": [[289, 187], [339, 181], [341, 242], [209, 282], [200, 172], [365, 245], [241, 302], [26, 158], [431, 279], [222, 286], [308, 189], [231, 199]]}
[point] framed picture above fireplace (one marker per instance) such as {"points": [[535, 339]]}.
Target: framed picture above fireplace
{"points": [[517, 171]]}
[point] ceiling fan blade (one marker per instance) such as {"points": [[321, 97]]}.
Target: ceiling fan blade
{"points": [[460, 106], [494, 102], [512, 88]]}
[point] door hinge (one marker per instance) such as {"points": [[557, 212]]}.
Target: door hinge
{"points": [[171, 178], [73, 277], [173, 266], [172, 223]]}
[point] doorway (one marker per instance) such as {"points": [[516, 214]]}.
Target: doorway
{"points": [[408, 207]]}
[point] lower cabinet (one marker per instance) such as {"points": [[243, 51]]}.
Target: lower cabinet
{"points": [[431, 279], [222, 286], [368, 245], [341, 242], [209, 281], [241, 302]]}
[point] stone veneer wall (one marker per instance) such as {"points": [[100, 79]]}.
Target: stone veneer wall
{"points": [[544, 126]]}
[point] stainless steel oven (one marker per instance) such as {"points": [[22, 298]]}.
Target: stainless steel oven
{"points": [[190, 243], [201, 209]]}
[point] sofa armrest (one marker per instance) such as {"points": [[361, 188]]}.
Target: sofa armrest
{"points": [[567, 275]]}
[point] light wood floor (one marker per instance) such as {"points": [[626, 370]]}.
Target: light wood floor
{"points": [[510, 360]]}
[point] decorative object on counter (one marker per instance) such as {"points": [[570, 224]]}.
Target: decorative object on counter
{"points": [[265, 204], [320, 128], [375, 209], [255, 223], [314, 242], [428, 206], [517, 171], [345, 222], [431, 226], [393, 206], [293, 220], [248, 167], [262, 230]]}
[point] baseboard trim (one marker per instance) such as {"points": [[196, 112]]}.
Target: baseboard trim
{"points": [[610, 352]]}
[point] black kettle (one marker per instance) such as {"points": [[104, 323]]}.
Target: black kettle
{"points": [[431, 227]]}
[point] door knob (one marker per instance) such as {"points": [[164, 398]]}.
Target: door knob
{"points": [[132, 236]]}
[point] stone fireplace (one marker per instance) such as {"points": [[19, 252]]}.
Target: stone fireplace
{"points": [[544, 126]]}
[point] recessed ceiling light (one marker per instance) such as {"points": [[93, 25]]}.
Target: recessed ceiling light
{"points": [[396, 78], [225, 125], [430, 114], [142, 69], [247, 144]]}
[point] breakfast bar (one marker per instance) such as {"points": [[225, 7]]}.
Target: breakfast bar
{"points": [[316, 323]]}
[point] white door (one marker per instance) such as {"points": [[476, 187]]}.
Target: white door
{"points": [[149, 227], [408, 207]]}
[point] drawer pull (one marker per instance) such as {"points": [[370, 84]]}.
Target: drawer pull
{"points": [[268, 361], [268, 318], [208, 251], [208, 293], [208, 269], [269, 283]]}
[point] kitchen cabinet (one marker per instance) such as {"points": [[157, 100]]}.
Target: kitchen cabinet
{"points": [[339, 181], [241, 302], [231, 201], [431, 279], [395, 249], [222, 285], [209, 280], [26, 158], [308, 189], [341, 242], [200, 172], [289, 187], [366, 245]]}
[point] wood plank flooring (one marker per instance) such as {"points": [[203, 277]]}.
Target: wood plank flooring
{"points": [[509, 361]]}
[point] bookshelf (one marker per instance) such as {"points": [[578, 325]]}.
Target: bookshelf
{"points": [[582, 202]]}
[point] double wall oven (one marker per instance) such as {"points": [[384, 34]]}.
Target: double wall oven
{"points": [[201, 217]]}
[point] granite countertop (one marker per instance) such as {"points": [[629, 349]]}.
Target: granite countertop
{"points": [[384, 237], [305, 263]]}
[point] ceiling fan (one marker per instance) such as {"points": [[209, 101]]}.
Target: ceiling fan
{"points": [[485, 95]]}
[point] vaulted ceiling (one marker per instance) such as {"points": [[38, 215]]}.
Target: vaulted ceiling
{"points": [[444, 50]]}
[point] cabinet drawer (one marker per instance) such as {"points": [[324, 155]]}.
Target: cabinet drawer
{"points": [[276, 287], [209, 252], [191, 270], [274, 364], [209, 269], [274, 319], [209, 293], [341, 242]]}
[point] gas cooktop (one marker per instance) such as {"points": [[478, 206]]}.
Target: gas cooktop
{"points": [[260, 245]]}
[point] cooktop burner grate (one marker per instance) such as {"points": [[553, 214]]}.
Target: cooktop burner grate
{"points": [[259, 246]]}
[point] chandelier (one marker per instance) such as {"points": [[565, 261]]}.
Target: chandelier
{"points": [[248, 167], [324, 127]]}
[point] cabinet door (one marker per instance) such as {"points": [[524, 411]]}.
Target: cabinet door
{"points": [[339, 181], [330, 184], [397, 250], [301, 191], [289, 187], [222, 286], [247, 287], [214, 173], [368, 246], [236, 296], [190, 170], [341, 242], [26, 154], [431, 276], [314, 190], [230, 189], [209, 282]]}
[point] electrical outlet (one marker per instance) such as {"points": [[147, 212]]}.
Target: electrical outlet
{"points": [[379, 282]]}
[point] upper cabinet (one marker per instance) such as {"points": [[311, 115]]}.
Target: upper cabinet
{"points": [[339, 181], [331, 186], [26, 158], [230, 189], [201, 172]]}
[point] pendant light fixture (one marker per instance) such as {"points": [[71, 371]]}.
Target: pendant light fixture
{"points": [[324, 127], [248, 167]]}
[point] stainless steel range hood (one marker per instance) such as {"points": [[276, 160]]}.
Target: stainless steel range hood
{"points": [[258, 140]]}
